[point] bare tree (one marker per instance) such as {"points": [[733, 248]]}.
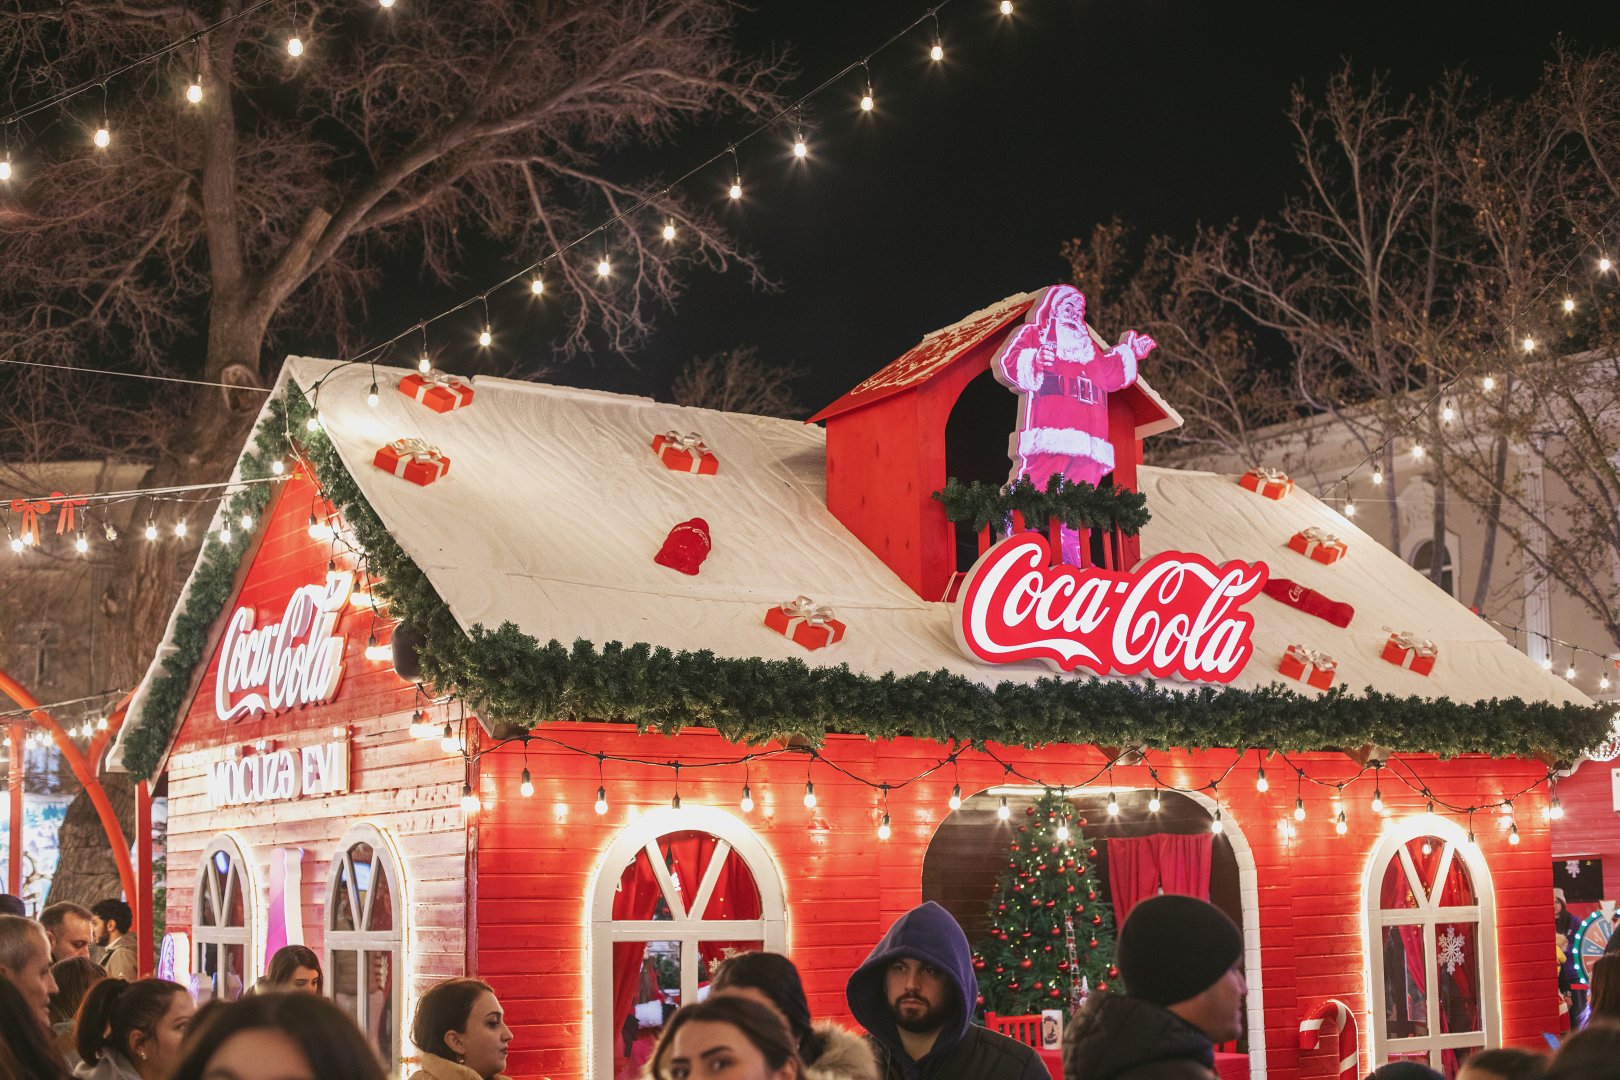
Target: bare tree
{"points": [[1206, 362], [739, 380], [207, 235]]}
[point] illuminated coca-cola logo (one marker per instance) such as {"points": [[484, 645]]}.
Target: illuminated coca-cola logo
{"points": [[296, 661], [1176, 614]]}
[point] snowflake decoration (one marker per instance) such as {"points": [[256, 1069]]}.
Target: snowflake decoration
{"points": [[1449, 952], [1573, 867]]}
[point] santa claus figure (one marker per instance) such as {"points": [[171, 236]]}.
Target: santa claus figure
{"points": [[1063, 384]]}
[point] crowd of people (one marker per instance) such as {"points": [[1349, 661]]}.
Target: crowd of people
{"points": [[66, 1015]]}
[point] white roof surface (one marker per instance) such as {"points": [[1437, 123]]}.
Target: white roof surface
{"points": [[554, 506]]}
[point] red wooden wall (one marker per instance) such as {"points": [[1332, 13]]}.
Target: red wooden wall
{"points": [[534, 863], [1590, 827]]}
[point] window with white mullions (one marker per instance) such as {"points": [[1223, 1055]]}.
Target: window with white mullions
{"points": [[1430, 925], [224, 923], [365, 937]]}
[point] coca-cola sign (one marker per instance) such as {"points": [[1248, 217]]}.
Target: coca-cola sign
{"points": [[295, 661], [1177, 614]]}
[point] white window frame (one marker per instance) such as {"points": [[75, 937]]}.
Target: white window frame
{"points": [[1392, 845], [737, 840], [386, 858], [1450, 554], [244, 876]]}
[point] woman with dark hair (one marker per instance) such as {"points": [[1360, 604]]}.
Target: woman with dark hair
{"points": [[26, 1049], [1592, 1053], [278, 1037], [461, 1032], [74, 978], [293, 968], [726, 1038], [132, 1030], [1605, 996], [828, 1051]]}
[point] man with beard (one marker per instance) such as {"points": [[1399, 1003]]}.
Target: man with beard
{"points": [[1181, 960], [915, 995]]}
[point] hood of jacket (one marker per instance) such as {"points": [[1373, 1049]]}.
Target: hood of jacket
{"points": [[929, 934], [438, 1068], [111, 1065], [844, 1056], [1115, 1034]]}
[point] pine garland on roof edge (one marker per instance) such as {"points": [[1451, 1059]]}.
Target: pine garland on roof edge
{"points": [[509, 677]]}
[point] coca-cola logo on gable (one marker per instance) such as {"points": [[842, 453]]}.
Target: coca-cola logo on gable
{"points": [[296, 661], [1176, 614]]}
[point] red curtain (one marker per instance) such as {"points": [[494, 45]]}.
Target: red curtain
{"points": [[1143, 866], [637, 896]]}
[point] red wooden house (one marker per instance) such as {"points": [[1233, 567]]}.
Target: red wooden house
{"points": [[512, 822]]}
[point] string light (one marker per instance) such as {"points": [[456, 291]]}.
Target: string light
{"points": [[604, 267], [1603, 681], [5, 168], [936, 51], [469, 801], [247, 522], [385, 3], [1417, 451], [1299, 795], [747, 801], [314, 421], [103, 136], [1062, 831], [484, 336], [1261, 784], [955, 801], [601, 805], [1113, 805], [1513, 834], [736, 183], [17, 544], [1378, 791], [867, 100], [194, 91], [800, 150], [675, 800], [1340, 826], [1349, 508], [1569, 305], [1006, 7], [420, 728], [1488, 383], [1153, 802], [1216, 825], [1003, 811], [225, 533], [295, 45], [809, 795], [526, 787], [1528, 344], [669, 230], [379, 653], [180, 527], [884, 832], [371, 395], [1447, 414], [1604, 265], [151, 529]]}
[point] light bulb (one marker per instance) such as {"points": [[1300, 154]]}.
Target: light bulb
{"points": [[1339, 824], [601, 801], [194, 91], [224, 534], [180, 527], [1528, 344], [1447, 414], [380, 653], [371, 396], [1006, 7], [313, 423], [1556, 810], [247, 522], [1299, 809], [1378, 478], [1569, 672], [385, 3], [1604, 265], [1216, 825], [604, 268], [103, 137], [526, 787], [278, 467], [867, 102], [1428, 848], [1260, 781], [318, 529], [809, 795], [420, 728], [5, 167], [151, 530], [1002, 811], [936, 52], [1377, 801], [485, 337], [669, 231], [16, 544], [537, 287], [1569, 305], [1603, 683], [81, 544], [1546, 663], [1417, 451], [735, 191], [1488, 383], [295, 46], [469, 801], [675, 801], [1349, 509], [1113, 805], [800, 150], [884, 832], [1513, 834], [747, 802], [1153, 802], [956, 797]]}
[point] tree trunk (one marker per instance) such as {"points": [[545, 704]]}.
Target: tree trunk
{"points": [[86, 872], [1493, 520]]}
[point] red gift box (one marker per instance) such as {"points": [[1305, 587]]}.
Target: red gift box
{"points": [[1272, 483], [417, 461], [436, 390], [1308, 666], [1410, 652], [685, 453], [1319, 544], [805, 623]]}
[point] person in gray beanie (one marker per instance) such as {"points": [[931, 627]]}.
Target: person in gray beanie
{"points": [[1181, 961]]}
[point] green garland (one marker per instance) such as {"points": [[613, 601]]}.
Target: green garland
{"points": [[509, 677], [1077, 505]]}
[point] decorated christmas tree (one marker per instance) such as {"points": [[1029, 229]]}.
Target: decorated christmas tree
{"points": [[1050, 934]]}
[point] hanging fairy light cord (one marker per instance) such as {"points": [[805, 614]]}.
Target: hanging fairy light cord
{"points": [[1395, 766], [1602, 658], [86, 514]]}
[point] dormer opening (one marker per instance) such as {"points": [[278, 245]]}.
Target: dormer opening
{"points": [[976, 433]]}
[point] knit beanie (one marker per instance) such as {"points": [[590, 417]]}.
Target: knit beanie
{"points": [[1172, 948]]}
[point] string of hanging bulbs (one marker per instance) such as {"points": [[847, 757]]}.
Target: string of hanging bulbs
{"points": [[1377, 772], [81, 519], [1604, 660]]}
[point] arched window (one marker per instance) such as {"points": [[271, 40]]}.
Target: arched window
{"points": [[1431, 939], [365, 936], [1422, 560], [224, 923], [675, 893]]}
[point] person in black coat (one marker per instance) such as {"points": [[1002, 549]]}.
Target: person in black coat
{"points": [[1181, 960], [915, 995]]}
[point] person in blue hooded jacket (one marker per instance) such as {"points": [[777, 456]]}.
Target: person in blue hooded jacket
{"points": [[915, 995]]}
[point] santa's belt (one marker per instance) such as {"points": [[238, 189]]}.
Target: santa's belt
{"points": [[1069, 386]]}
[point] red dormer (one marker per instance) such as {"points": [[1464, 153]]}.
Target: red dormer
{"points": [[940, 411]]}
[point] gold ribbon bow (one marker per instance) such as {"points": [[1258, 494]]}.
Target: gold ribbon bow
{"points": [[691, 441], [1274, 476], [1311, 658], [1316, 535], [443, 378], [802, 607], [1410, 642], [416, 449]]}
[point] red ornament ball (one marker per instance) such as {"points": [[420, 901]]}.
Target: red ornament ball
{"points": [[1015, 847], [1049, 948], [1083, 821], [1054, 993], [1102, 986], [1063, 965], [998, 969], [1013, 985], [1026, 933], [1113, 972], [1039, 985], [978, 963], [1070, 889], [1029, 811], [1056, 930], [1026, 963], [1051, 903], [1096, 920], [1091, 853], [1001, 907], [979, 1001], [1092, 943], [1092, 895]]}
